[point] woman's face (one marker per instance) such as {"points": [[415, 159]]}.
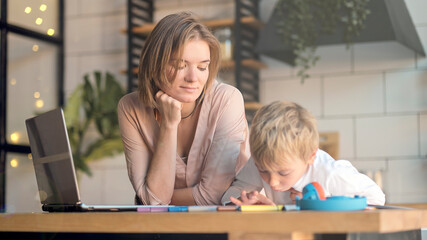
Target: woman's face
{"points": [[192, 72]]}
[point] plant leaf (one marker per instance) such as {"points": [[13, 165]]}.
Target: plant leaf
{"points": [[103, 148]]}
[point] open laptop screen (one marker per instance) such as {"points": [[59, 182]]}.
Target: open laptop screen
{"points": [[52, 158]]}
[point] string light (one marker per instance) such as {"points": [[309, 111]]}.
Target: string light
{"points": [[50, 32], [27, 10], [39, 103], [30, 156], [35, 48], [39, 21], [43, 7], [14, 163], [36, 94], [13, 82], [14, 137]]}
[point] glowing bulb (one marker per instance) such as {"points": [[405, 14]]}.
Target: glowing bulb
{"points": [[14, 137], [35, 47], [39, 21], [27, 10], [39, 103], [13, 82], [36, 94], [14, 163], [43, 7], [50, 32], [30, 156]]}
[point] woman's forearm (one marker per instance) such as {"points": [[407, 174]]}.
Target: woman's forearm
{"points": [[161, 173]]}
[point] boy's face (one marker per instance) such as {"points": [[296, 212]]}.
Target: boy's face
{"points": [[282, 177]]}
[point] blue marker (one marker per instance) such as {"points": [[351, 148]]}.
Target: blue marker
{"points": [[178, 209]]}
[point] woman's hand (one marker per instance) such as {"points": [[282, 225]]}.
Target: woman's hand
{"points": [[293, 194], [251, 198], [169, 108]]}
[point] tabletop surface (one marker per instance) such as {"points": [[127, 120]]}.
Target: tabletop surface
{"points": [[380, 221]]}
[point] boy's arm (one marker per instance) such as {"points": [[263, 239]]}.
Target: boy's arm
{"points": [[346, 180], [248, 180]]}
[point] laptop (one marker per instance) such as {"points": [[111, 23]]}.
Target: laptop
{"points": [[54, 166]]}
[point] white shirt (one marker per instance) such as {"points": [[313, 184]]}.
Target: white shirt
{"points": [[337, 177]]}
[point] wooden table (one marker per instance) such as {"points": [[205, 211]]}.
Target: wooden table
{"points": [[238, 225]]}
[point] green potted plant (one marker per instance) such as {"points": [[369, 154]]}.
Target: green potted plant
{"points": [[93, 104]]}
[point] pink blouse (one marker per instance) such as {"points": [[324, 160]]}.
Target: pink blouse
{"points": [[219, 150]]}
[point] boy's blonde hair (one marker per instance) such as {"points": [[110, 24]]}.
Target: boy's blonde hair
{"points": [[280, 132]]}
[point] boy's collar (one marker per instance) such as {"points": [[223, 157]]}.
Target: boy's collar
{"points": [[299, 185]]}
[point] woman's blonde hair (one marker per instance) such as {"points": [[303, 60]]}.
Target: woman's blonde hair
{"points": [[167, 41], [282, 131]]}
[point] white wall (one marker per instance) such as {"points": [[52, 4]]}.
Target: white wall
{"points": [[374, 95]]}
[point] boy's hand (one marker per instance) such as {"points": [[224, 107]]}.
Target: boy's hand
{"points": [[293, 194], [251, 199]]}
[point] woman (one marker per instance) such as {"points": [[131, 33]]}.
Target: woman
{"points": [[185, 135]]}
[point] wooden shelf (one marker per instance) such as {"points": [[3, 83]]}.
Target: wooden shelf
{"points": [[250, 21], [250, 63], [212, 24], [329, 142], [253, 106]]}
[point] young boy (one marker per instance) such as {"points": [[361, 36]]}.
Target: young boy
{"points": [[284, 144]]}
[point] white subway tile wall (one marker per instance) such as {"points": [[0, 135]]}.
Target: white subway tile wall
{"points": [[387, 136], [365, 96], [112, 41], [423, 134], [276, 69], [333, 60], [102, 7], [406, 91], [374, 94], [382, 56], [307, 94], [72, 72], [72, 8], [84, 34], [112, 62], [406, 180]]}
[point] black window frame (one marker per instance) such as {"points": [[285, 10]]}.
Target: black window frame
{"points": [[58, 41]]}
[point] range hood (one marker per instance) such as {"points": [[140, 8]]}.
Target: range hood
{"points": [[389, 20]]}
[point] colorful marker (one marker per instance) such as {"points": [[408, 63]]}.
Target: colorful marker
{"points": [[260, 208], [149, 208], [202, 208], [228, 208], [178, 209]]}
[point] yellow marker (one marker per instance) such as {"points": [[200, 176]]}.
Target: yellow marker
{"points": [[261, 208]]}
